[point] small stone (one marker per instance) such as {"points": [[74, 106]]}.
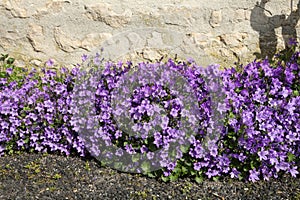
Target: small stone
{"points": [[35, 62], [93, 40], [36, 37], [20, 63], [155, 41], [233, 40], [64, 42], [15, 9], [150, 54], [215, 18], [240, 15]]}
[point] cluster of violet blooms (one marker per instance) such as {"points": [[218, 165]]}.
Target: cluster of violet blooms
{"points": [[260, 137], [146, 102], [35, 115], [264, 117]]}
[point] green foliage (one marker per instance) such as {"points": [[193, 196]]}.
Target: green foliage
{"points": [[17, 73]]}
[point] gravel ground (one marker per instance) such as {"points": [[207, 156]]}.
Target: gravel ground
{"points": [[38, 176]]}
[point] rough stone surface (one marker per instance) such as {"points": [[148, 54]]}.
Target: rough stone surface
{"points": [[102, 12], [210, 31], [36, 37], [215, 18]]}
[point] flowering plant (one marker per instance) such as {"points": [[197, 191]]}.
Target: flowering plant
{"points": [[34, 110], [259, 134]]}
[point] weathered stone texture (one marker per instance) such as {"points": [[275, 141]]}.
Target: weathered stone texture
{"points": [[207, 30], [36, 37], [15, 8], [215, 18], [103, 12]]}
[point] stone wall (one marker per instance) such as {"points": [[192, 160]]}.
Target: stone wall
{"points": [[210, 31]]}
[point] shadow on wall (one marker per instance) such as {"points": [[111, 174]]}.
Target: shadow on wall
{"points": [[265, 24]]}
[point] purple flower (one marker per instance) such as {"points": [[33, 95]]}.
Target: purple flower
{"points": [[266, 67], [84, 57], [144, 149], [50, 63], [118, 134], [157, 139], [293, 42], [97, 61], [263, 155], [167, 173], [285, 92], [171, 166], [282, 166], [254, 175], [9, 71], [211, 173], [197, 166], [293, 171], [129, 149], [165, 122], [234, 173], [174, 112]]}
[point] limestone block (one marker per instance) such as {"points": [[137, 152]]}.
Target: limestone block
{"points": [[135, 40], [103, 12], [177, 16], [233, 39], [35, 62], [20, 63], [36, 37], [65, 42], [15, 8], [201, 39], [94, 40], [240, 15], [56, 5], [155, 41], [50, 7], [151, 54], [215, 18], [6, 43]]}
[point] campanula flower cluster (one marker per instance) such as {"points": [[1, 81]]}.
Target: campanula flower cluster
{"points": [[259, 137]]}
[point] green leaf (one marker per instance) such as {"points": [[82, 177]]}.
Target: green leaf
{"points": [[117, 165], [135, 158], [152, 147], [3, 57], [151, 175], [146, 141], [184, 149], [165, 178], [10, 61], [291, 157], [187, 163], [193, 173], [177, 169], [231, 115], [184, 170], [199, 179], [252, 164], [3, 75], [26, 141], [246, 168], [146, 167], [173, 177]]}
